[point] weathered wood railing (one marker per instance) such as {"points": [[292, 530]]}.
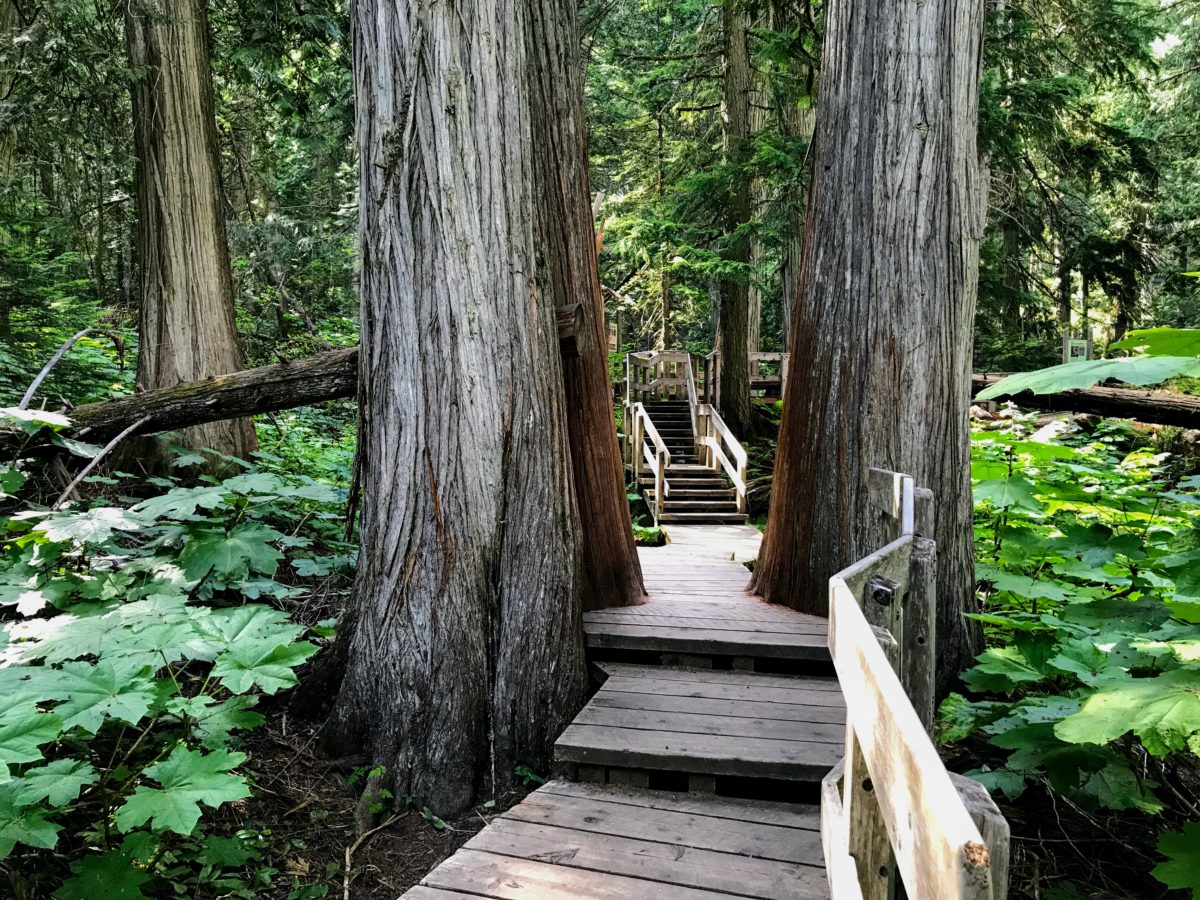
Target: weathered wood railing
{"points": [[720, 450], [891, 814], [768, 375], [653, 454], [655, 375]]}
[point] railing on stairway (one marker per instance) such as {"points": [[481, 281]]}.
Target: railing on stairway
{"points": [[890, 812], [768, 375], [718, 445], [655, 375], [660, 374], [658, 458]]}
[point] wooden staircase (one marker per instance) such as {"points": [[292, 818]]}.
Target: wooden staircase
{"points": [[697, 494]]}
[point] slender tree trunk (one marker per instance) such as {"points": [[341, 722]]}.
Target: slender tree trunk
{"points": [[463, 644], [888, 292], [1064, 295], [9, 55], [612, 575], [187, 329], [732, 338], [1015, 282]]}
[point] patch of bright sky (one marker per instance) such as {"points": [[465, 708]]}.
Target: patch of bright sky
{"points": [[1164, 45]]}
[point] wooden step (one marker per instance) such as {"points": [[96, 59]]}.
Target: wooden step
{"points": [[607, 842], [703, 518], [715, 723]]}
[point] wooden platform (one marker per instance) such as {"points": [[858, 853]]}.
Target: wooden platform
{"points": [[699, 604], [718, 723], [582, 841], [706, 726]]}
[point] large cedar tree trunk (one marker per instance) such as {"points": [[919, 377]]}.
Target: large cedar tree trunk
{"points": [[187, 330], [463, 643], [881, 346], [733, 321], [612, 575]]}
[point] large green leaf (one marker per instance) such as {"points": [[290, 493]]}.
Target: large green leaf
{"points": [[152, 631], [1002, 669], [92, 526], [1007, 492], [1085, 373], [1164, 711], [182, 503], [261, 663], [187, 779], [1162, 341], [58, 783], [231, 555], [1182, 850], [92, 693], [212, 722], [23, 733], [243, 624], [111, 875], [20, 825]]}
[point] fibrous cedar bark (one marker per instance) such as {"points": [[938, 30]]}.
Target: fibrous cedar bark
{"points": [[612, 575], [881, 346], [187, 329], [733, 321], [462, 643]]}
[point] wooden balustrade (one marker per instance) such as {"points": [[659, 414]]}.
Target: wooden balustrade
{"points": [[891, 813], [719, 444], [654, 454]]}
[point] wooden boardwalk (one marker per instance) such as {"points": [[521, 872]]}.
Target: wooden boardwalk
{"points": [[698, 702]]}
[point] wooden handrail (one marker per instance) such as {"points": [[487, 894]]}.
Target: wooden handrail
{"points": [[693, 400], [716, 434], [659, 460], [890, 809]]}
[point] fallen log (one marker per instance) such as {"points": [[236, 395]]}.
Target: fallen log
{"points": [[333, 375], [330, 375], [1154, 407]]}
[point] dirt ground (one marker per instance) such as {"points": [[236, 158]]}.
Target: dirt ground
{"points": [[307, 805]]}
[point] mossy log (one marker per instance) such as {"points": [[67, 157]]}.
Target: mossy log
{"points": [[1153, 407], [324, 376]]}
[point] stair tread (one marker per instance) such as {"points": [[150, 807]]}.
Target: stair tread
{"points": [[709, 722]]}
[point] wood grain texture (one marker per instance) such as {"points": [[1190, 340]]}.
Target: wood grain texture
{"points": [[939, 852], [462, 643], [564, 234], [881, 345], [187, 330]]}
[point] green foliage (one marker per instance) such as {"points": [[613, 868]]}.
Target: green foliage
{"points": [[1182, 850], [1087, 551], [134, 664], [1084, 373]]}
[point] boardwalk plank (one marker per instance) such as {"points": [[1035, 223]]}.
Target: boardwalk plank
{"points": [[765, 812], [669, 826], [740, 876], [701, 753], [699, 640], [783, 712], [506, 878], [721, 676], [720, 691], [730, 726]]}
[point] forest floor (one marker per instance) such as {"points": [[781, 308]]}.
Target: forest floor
{"points": [[304, 805]]}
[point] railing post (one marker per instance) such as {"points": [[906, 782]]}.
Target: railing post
{"points": [[783, 373], [743, 473], [660, 484], [918, 630]]}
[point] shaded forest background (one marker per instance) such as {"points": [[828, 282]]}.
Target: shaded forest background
{"points": [[1090, 126], [1089, 121]]}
